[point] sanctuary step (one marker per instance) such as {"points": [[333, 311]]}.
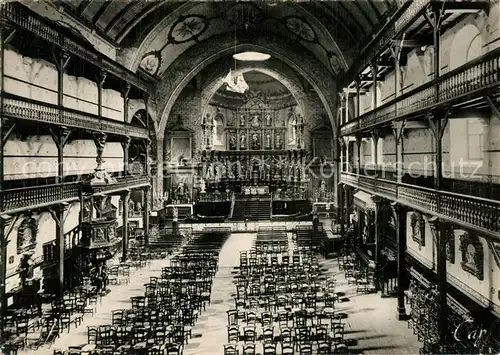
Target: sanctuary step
{"points": [[253, 209]]}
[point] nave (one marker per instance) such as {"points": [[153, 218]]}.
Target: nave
{"points": [[370, 323]]}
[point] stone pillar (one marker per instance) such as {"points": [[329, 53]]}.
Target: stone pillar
{"points": [[125, 197], [378, 242], [5, 222], [400, 212]]}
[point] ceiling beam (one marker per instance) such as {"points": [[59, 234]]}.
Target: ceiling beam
{"points": [[102, 9], [368, 78], [416, 43], [353, 18], [364, 13], [467, 6], [375, 9], [338, 19], [118, 16]]}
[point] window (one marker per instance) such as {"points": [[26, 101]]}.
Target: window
{"points": [[474, 139]]}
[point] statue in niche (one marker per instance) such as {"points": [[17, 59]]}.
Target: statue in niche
{"points": [[25, 268], [255, 121], [242, 121], [255, 141], [268, 140], [268, 119], [243, 141], [203, 186], [293, 130], [232, 142], [322, 187], [130, 208], [278, 143], [470, 256], [180, 188]]}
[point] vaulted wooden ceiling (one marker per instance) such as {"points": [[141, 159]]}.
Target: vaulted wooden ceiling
{"points": [[349, 24]]}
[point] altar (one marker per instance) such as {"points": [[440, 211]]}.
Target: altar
{"points": [[255, 190]]}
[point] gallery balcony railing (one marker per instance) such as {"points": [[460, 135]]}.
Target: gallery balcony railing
{"points": [[21, 16], [30, 197], [120, 183], [471, 80], [473, 212], [18, 107]]}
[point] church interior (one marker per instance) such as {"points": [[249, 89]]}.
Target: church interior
{"points": [[249, 177]]}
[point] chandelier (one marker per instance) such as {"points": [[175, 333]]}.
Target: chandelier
{"points": [[236, 82]]}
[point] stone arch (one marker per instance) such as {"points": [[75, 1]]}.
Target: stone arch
{"points": [[210, 88], [461, 45], [193, 60]]}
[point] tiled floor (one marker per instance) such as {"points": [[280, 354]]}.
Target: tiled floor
{"points": [[372, 327]]}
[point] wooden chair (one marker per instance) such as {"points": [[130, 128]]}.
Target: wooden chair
{"points": [[269, 349], [249, 349], [231, 349]]}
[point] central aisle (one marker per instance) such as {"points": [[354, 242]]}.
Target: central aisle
{"points": [[210, 331]]}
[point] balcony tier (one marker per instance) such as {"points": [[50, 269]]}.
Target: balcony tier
{"points": [[20, 16], [30, 198], [406, 14], [474, 213], [467, 84], [18, 107]]}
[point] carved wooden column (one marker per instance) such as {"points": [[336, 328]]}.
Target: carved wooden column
{"points": [[358, 109], [147, 209], [438, 228], [358, 162], [398, 130], [347, 218], [124, 199], [378, 241], [125, 145], [7, 223], [126, 99], [60, 136], [400, 212], [374, 70], [58, 215], [375, 139], [100, 84], [340, 209]]}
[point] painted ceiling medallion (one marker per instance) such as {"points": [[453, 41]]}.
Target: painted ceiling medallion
{"points": [[301, 28], [187, 28], [151, 62], [334, 62]]}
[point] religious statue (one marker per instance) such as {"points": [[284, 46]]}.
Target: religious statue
{"points": [[293, 136], [255, 141], [25, 268], [203, 186], [180, 188], [277, 143], [138, 206], [242, 121], [322, 188], [268, 140], [232, 142], [130, 208], [255, 121], [243, 141], [268, 119]]}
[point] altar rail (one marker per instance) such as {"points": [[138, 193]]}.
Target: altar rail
{"points": [[472, 80], [20, 16], [476, 213], [17, 107]]}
